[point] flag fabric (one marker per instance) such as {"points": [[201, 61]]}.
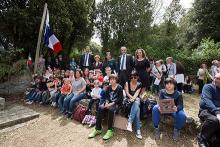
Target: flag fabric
{"points": [[49, 38], [29, 61]]}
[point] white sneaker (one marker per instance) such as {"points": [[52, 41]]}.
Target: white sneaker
{"points": [[138, 134], [29, 102], [129, 127]]}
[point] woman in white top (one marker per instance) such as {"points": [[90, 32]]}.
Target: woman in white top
{"points": [[203, 76], [157, 74]]}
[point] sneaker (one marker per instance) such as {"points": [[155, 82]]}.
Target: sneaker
{"points": [[94, 133], [29, 102], [176, 134], [157, 133], [202, 142], [129, 127], [138, 134], [108, 135]]}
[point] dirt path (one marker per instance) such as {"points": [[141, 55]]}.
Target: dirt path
{"points": [[52, 130]]}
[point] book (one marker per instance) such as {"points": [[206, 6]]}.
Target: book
{"points": [[166, 105]]}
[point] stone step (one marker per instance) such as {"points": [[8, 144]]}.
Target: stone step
{"points": [[2, 103], [16, 114]]}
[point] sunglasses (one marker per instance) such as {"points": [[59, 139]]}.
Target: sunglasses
{"points": [[133, 77]]}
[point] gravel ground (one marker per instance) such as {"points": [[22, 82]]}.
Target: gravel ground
{"points": [[51, 129]]}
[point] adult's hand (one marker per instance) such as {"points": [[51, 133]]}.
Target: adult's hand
{"points": [[218, 116], [174, 108]]}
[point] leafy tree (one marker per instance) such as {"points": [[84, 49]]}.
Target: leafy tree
{"points": [[71, 21], [204, 22], [125, 22]]}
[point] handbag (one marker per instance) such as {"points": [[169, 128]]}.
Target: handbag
{"points": [[79, 113]]}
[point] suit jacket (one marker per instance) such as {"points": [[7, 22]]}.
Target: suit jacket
{"points": [[90, 60], [129, 63]]}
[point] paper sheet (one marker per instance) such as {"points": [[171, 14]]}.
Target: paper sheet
{"points": [[157, 81]]}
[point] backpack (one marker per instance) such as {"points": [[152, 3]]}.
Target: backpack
{"points": [[89, 120], [79, 113], [146, 108]]}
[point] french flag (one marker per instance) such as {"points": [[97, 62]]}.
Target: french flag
{"points": [[50, 39]]}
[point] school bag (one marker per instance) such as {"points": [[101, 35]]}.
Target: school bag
{"points": [[89, 120], [79, 113]]}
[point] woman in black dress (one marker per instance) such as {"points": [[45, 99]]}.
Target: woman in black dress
{"points": [[142, 66]]}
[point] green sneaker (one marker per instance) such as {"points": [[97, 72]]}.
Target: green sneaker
{"points": [[108, 135], [94, 133]]}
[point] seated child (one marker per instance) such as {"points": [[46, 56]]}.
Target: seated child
{"points": [[95, 96], [179, 115], [108, 72], [110, 102], [55, 93], [66, 90], [98, 76]]}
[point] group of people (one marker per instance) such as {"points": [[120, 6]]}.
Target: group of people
{"points": [[110, 83]]}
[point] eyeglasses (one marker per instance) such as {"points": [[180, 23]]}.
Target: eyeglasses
{"points": [[133, 77]]}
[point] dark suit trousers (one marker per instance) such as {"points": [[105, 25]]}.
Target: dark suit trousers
{"points": [[123, 77]]}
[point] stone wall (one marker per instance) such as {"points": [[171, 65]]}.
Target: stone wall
{"points": [[16, 85]]}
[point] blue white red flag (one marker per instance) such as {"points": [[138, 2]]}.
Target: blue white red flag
{"points": [[49, 38]]}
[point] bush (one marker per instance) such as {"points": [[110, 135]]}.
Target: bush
{"points": [[206, 52]]}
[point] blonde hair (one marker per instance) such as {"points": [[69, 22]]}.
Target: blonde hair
{"points": [[143, 53]]}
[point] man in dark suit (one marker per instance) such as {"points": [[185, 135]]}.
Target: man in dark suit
{"points": [[87, 59], [125, 66]]}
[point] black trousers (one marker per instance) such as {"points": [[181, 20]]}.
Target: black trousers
{"points": [[179, 87], [99, 117], [187, 88], [210, 125], [123, 77], [200, 83], [91, 102]]}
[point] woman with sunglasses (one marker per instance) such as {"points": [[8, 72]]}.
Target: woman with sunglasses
{"points": [[132, 90]]}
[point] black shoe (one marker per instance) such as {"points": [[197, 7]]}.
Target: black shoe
{"points": [[202, 142]]}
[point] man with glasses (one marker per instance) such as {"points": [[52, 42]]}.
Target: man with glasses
{"points": [[210, 114]]}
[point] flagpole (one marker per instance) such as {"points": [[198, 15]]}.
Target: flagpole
{"points": [[39, 38]]}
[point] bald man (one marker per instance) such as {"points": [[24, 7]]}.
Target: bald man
{"points": [[125, 65], [210, 113]]}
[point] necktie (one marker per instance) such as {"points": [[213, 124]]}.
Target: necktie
{"points": [[122, 63], [85, 61]]}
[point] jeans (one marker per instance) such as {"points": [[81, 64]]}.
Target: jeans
{"points": [[30, 96], [135, 114], [69, 102], [99, 117], [55, 97], [60, 102], [180, 118], [66, 102], [210, 125]]}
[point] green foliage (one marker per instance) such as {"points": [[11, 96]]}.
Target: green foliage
{"points": [[123, 22], [204, 22], [7, 70], [71, 21], [206, 52]]}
